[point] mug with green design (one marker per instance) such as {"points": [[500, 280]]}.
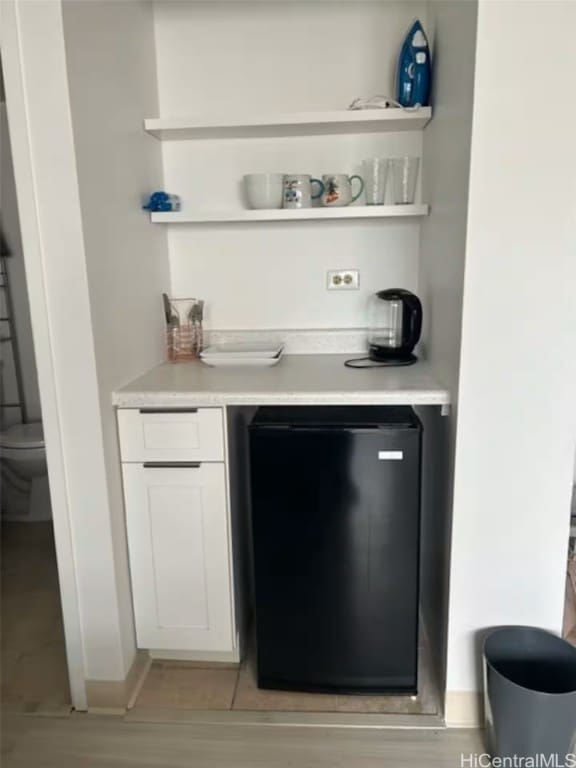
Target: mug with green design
{"points": [[338, 189]]}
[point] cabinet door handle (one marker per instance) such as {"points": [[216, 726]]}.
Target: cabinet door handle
{"points": [[168, 410], [171, 465]]}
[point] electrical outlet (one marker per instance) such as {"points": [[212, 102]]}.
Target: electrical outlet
{"points": [[343, 279]]}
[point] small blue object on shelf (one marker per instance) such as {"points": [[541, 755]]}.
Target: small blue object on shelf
{"points": [[162, 202]]}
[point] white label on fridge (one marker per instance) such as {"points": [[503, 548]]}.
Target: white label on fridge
{"points": [[390, 455]]}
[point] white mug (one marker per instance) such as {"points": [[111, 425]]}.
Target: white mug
{"points": [[264, 190], [338, 189], [298, 190]]}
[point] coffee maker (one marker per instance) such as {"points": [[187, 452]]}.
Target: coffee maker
{"points": [[395, 325]]}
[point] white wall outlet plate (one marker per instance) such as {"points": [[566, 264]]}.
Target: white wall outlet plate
{"points": [[343, 279]]}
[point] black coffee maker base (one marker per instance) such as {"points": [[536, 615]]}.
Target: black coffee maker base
{"points": [[374, 361], [389, 359]]}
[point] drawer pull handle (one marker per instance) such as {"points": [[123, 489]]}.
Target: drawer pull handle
{"points": [[171, 465], [168, 410]]}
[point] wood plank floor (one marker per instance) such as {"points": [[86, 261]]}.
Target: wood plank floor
{"points": [[89, 741], [33, 654]]}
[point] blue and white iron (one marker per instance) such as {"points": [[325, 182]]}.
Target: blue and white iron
{"points": [[414, 69]]}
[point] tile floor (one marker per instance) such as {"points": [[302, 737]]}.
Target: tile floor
{"points": [[178, 686], [33, 657]]}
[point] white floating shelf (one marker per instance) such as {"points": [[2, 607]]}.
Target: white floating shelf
{"points": [[304, 214], [296, 124]]}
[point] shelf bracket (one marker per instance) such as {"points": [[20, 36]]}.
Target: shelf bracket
{"points": [[445, 409]]}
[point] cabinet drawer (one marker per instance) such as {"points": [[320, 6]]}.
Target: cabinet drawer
{"points": [[150, 434]]}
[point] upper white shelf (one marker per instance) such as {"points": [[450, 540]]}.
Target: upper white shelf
{"points": [[295, 124]]}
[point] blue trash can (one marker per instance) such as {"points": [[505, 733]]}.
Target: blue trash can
{"points": [[529, 694]]}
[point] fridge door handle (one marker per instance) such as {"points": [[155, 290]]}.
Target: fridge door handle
{"points": [[390, 455]]}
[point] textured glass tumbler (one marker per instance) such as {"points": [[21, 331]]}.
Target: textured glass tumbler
{"points": [[184, 335], [375, 175], [404, 177]]}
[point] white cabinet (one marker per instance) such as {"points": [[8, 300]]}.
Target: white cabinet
{"points": [[178, 527], [178, 541]]}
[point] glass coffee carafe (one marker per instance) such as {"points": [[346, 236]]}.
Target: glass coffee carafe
{"points": [[395, 325]]}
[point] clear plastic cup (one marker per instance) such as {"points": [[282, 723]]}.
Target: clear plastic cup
{"points": [[375, 175], [404, 178]]}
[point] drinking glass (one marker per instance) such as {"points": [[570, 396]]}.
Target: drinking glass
{"points": [[375, 175], [184, 336], [404, 176]]}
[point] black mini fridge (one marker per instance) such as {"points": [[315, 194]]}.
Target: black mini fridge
{"points": [[336, 532]]}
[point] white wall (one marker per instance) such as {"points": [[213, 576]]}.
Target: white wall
{"points": [[37, 98], [231, 58], [517, 405], [112, 78], [95, 271], [222, 57], [19, 292], [452, 27]]}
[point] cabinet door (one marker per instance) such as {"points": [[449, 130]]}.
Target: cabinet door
{"points": [[179, 556]]}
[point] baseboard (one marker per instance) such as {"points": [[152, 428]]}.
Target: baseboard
{"points": [[137, 677], [224, 657], [464, 709], [116, 696]]}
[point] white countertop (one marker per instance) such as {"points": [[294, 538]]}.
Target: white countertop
{"points": [[296, 380]]}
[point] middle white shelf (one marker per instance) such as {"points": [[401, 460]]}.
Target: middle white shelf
{"points": [[282, 214]]}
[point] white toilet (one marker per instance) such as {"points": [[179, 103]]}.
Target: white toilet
{"points": [[27, 493]]}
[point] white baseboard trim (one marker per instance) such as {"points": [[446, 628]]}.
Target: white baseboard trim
{"points": [[138, 678], [225, 657], [464, 709], [116, 696]]}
